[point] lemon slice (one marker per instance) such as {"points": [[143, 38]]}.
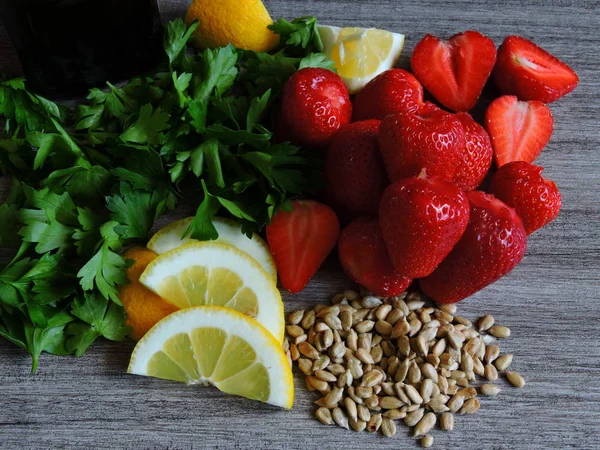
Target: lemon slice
{"points": [[218, 346], [360, 54], [213, 273], [229, 231]]}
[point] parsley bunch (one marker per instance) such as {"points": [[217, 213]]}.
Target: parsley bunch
{"points": [[89, 180]]}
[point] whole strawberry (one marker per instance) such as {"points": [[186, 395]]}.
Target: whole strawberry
{"points": [[521, 186], [364, 258], [491, 246], [476, 156], [531, 73], [454, 71], [315, 104], [355, 176], [391, 91], [410, 142], [421, 219]]}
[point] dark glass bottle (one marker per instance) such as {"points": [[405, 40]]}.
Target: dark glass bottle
{"points": [[69, 46]]}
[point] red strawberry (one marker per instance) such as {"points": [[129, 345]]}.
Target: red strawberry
{"points": [[421, 219], [354, 171], [315, 104], [521, 186], [531, 73], [519, 130], [391, 91], [300, 240], [410, 142], [365, 259], [476, 156], [491, 246], [454, 71]]}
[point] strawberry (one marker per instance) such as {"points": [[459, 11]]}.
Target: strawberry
{"points": [[409, 142], [491, 246], [391, 91], [519, 130], [300, 240], [531, 73], [454, 71], [364, 258], [421, 219], [354, 173], [476, 156], [521, 186], [315, 104]]}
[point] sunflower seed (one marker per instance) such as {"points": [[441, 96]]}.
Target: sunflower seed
{"points": [[321, 363], [294, 353], [455, 339], [470, 406], [515, 379], [422, 346], [337, 350], [467, 393], [371, 302], [438, 403], [383, 327], [463, 382], [324, 416], [308, 350], [413, 394], [403, 346], [352, 340], [373, 403], [388, 427], [490, 372], [296, 317], [351, 295], [371, 378], [427, 441], [345, 379], [363, 391], [489, 389], [300, 339], [390, 402], [358, 425], [336, 369], [363, 413], [351, 409], [478, 368], [340, 418], [352, 393], [308, 320], [426, 390], [383, 311], [503, 362], [365, 326], [346, 320], [374, 423], [429, 372], [447, 421], [413, 418], [325, 376], [456, 402], [294, 330], [491, 353], [395, 414], [485, 323], [355, 368], [499, 331], [425, 425], [414, 373]]}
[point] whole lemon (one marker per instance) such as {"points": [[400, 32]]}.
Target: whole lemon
{"points": [[242, 23]]}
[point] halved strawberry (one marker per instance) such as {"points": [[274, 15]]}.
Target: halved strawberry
{"points": [[531, 73], [454, 71], [300, 240], [519, 130]]}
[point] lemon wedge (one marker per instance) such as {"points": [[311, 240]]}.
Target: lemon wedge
{"points": [[217, 346], [360, 54], [213, 273], [230, 232]]}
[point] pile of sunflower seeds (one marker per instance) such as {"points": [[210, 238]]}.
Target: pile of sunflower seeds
{"points": [[376, 361]]}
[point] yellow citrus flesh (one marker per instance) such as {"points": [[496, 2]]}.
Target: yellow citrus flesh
{"points": [[213, 273], [217, 346], [230, 232], [143, 307], [241, 23], [360, 54]]}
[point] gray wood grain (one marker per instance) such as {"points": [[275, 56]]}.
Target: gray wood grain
{"points": [[550, 301]]}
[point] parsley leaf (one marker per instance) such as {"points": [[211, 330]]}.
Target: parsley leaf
{"points": [[148, 126], [299, 34]]}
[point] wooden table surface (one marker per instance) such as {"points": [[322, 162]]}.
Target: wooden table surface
{"points": [[550, 301]]}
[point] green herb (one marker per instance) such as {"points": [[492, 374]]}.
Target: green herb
{"points": [[91, 180]]}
